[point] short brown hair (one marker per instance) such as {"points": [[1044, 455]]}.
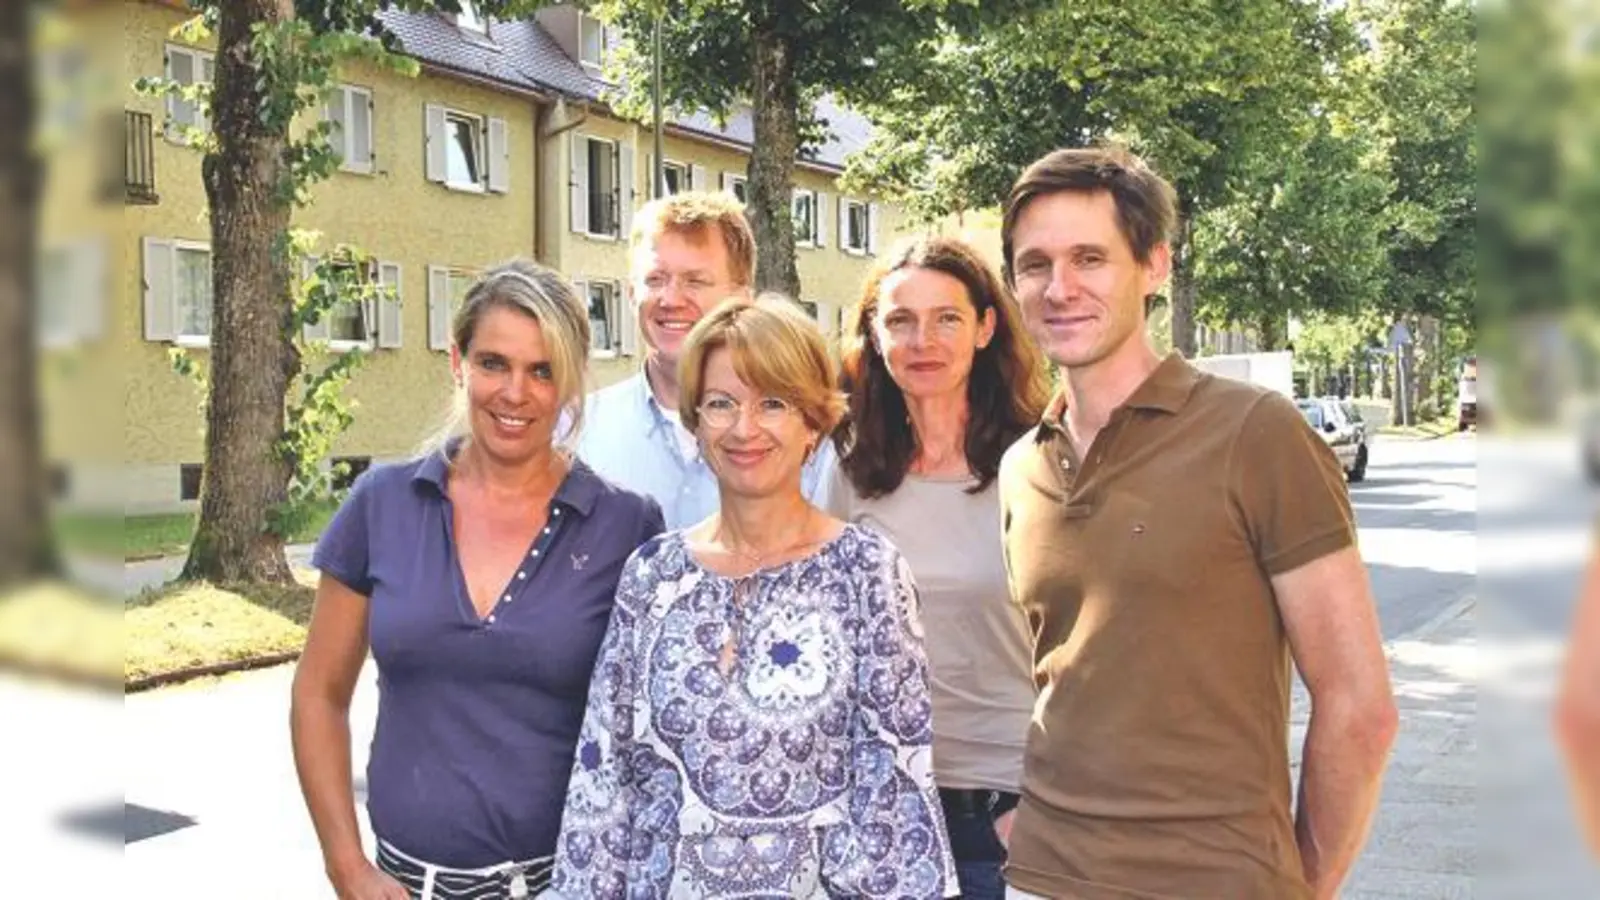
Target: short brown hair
{"points": [[776, 349], [1006, 391], [1147, 206], [694, 213]]}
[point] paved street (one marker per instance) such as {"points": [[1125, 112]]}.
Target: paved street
{"points": [[213, 808]]}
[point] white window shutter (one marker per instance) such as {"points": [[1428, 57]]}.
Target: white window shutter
{"points": [[88, 309], [698, 179], [322, 330], [872, 228], [629, 195], [160, 296], [627, 322], [439, 310], [580, 289], [725, 182], [578, 181], [434, 142], [361, 143], [844, 225], [336, 113], [820, 216], [390, 318], [499, 157]]}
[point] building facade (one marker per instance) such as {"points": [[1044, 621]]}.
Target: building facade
{"points": [[501, 146]]}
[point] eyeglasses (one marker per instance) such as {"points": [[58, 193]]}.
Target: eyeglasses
{"points": [[722, 411], [692, 285]]}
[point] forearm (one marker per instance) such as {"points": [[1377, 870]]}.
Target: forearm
{"points": [[320, 730], [1341, 776], [1578, 728]]}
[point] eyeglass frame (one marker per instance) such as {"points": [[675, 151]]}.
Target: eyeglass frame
{"points": [[738, 410]]}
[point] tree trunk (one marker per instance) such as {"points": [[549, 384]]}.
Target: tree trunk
{"points": [[252, 358], [1183, 288], [26, 547], [776, 113]]}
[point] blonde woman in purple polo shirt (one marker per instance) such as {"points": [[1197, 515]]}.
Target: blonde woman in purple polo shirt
{"points": [[759, 724], [482, 575]]}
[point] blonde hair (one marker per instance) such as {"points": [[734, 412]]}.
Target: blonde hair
{"points": [[693, 213], [544, 296], [776, 349]]}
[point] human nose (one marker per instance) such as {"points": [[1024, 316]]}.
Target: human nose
{"points": [[514, 389], [744, 420], [1063, 284]]}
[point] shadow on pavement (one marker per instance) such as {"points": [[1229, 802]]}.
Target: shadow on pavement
{"points": [[141, 822], [1434, 520]]}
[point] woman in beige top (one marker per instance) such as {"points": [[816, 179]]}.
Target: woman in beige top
{"points": [[941, 381]]}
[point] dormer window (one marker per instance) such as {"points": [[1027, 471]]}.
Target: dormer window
{"points": [[591, 41], [469, 19]]}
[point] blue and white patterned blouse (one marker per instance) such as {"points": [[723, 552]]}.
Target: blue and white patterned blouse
{"points": [[806, 772]]}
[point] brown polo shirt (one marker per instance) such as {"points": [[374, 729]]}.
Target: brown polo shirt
{"points": [[1157, 763]]}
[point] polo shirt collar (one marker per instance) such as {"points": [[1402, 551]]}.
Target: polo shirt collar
{"points": [[1166, 389], [653, 412], [578, 491]]}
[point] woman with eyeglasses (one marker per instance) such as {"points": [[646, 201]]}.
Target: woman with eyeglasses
{"points": [[941, 381], [759, 722]]}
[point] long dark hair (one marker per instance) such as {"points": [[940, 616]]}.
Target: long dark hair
{"points": [[1006, 392]]}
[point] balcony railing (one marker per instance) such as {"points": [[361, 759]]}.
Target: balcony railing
{"points": [[139, 159]]}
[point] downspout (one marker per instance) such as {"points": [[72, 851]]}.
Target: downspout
{"points": [[540, 238]]}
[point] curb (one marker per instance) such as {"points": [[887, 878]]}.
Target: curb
{"points": [[178, 676]]}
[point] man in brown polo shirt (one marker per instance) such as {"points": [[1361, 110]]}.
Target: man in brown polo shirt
{"points": [[1174, 538]]}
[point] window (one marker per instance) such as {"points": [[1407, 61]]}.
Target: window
{"points": [[676, 176], [605, 335], [602, 167], [350, 111], [855, 226], [189, 481], [52, 291], [192, 281], [736, 185], [187, 66], [463, 150], [469, 19], [592, 39], [804, 212], [467, 151], [447, 288]]}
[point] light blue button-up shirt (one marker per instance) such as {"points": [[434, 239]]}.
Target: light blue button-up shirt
{"points": [[630, 440]]}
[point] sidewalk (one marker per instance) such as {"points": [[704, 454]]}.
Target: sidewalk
{"points": [[1425, 837]]}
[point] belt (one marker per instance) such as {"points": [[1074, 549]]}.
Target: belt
{"points": [[436, 882], [977, 802]]}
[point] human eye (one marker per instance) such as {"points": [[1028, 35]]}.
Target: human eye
{"points": [[656, 281], [1031, 265], [490, 362], [774, 406], [719, 403], [544, 371]]}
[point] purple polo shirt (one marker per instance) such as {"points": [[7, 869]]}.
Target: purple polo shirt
{"points": [[478, 718]]}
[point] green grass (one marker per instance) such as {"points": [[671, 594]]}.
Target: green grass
{"points": [[187, 625], [1435, 428], [149, 536]]}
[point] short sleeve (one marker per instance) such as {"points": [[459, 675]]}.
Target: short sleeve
{"points": [[344, 551], [1289, 488]]}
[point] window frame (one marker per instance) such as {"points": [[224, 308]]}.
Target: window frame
{"points": [[682, 169], [810, 238], [179, 337], [366, 307], [585, 20], [739, 187], [852, 206], [480, 140], [613, 314], [613, 201], [344, 93], [201, 117]]}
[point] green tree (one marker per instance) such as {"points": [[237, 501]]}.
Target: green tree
{"points": [[1210, 92], [276, 60], [781, 57]]}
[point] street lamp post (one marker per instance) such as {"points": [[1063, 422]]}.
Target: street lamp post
{"points": [[657, 174]]}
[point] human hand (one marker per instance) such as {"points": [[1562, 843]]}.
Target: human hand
{"points": [[367, 882], [1002, 827]]}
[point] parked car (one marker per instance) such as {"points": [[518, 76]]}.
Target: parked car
{"points": [[1340, 423]]}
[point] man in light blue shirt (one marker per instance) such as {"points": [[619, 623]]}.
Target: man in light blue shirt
{"points": [[690, 253]]}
